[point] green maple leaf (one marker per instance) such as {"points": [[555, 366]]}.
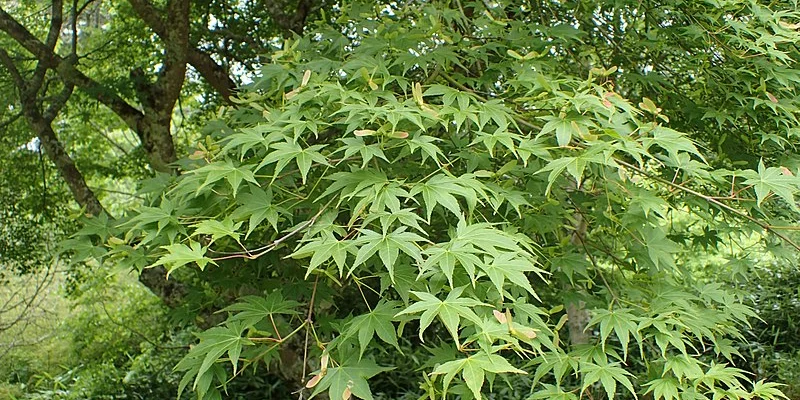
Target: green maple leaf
{"points": [[562, 127], [252, 309], [621, 321], [284, 152], [405, 216], [388, 246], [379, 321], [181, 254], [351, 374], [666, 388], [218, 229], [97, 225], [366, 151], [225, 170], [659, 248], [323, 249], [404, 278], [489, 239], [672, 141], [449, 311], [247, 138], [552, 392], [258, 206], [473, 370], [439, 189], [772, 180], [213, 344], [508, 266], [608, 375], [446, 256], [647, 203]]}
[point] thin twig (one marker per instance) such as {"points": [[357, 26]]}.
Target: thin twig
{"points": [[258, 252], [769, 228], [308, 323]]}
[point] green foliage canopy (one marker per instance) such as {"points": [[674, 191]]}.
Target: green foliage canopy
{"points": [[462, 175]]}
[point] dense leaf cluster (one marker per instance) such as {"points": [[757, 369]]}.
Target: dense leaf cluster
{"points": [[475, 178]]}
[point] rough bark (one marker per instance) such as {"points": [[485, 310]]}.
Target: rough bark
{"points": [[153, 128], [214, 74], [41, 122], [292, 23], [577, 315], [152, 124]]}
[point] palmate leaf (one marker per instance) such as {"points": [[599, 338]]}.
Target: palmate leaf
{"points": [[575, 166], [449, 311], [489, 239], [366, 151], [438, 190], [246, 139], [473, 370], [284, 152], [660, 249], [214, 343], [352, 184], [767, 390], [388, 246], [403, 280], [225, 170], [441, 188], [672, 141], [257, 206], [773, 180], [253, 309], [218, 229], [508, 266], [164, 217], [351, 375], [645, 202], [608, 375], [379, 321], [552, 392], [621, 321], [664, 388], [181, 254], [564, 129], [322, 249], [406, 217], [445, 257]]}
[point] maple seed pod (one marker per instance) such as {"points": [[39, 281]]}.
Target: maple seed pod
{"points": [[399, 134], [314, 381], [324, 363], [501, 318], [772, 98]]}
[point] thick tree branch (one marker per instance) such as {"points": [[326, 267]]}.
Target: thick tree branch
{"points": [[153, 129], [8, 62], [68, 72], [56, 20], [48, 139], [10, 121], [176, 46], [213, 73], [57, 103]]}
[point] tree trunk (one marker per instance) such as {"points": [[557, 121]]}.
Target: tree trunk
{"points": [[66, 167], [577, 315]]}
